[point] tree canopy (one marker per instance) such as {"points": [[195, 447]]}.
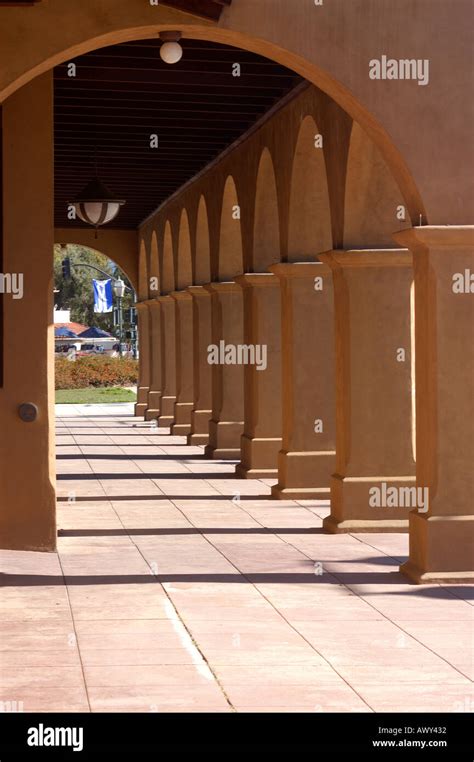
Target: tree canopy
{"points": [[76, 294]]}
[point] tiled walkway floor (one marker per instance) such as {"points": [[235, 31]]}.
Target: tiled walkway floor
{"points": [[180, 588]]}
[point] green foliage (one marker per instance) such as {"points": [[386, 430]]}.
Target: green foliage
{"points": [[91, 396], [77, 293], [95, 371]]}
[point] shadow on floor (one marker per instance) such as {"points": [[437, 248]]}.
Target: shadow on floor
{"points": [[185, 530], [142, 475], [134, 498]]}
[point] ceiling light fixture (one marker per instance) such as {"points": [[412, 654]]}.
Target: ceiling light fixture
{"points": [[96, 205], [170, 51]]}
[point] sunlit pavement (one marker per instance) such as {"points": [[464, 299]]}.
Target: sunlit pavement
{"points": [[177, 587]]}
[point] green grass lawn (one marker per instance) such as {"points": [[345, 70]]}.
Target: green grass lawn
{"points": [[90, 395]]}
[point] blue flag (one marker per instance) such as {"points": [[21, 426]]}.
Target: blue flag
{"points": [[102, 295]]}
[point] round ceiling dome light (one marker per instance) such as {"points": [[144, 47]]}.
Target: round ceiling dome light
{"points": [[170, 51], [96, 205]]}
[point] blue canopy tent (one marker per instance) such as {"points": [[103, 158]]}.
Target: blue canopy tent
{"points": [[64, 333], [95, 333], [65, 339]]}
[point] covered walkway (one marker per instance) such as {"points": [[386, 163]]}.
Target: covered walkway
{"points": [[177, 587]]}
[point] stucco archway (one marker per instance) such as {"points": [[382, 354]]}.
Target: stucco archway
{"points": [[167, 261], [184, 263], [76, 240], [266, 237], [230, 242], [203, 261], [86, 33], [310, 216], [142, 272], [374, 208], [118, 245], [154, 268]]}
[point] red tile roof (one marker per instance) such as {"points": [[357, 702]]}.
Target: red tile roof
{"points": [[76, 327]]}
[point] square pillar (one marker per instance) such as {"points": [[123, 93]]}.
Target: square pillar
{"points": [[184, 363], [143, 387], [306, 460], [27, 466], [442, 539], [202, 338], [261, 440], [168, 359], [154, 393], [374, 477], [227, 422]]}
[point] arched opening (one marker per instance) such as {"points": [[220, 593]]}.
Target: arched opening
{"points": [[310, 215], [94, 317], [86, 39], [374, 207], [266, 238], [167, 262], [230, 243], [203, 260], [184, 265]]}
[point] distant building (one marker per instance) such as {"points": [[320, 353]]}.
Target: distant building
{"points": [[62, 319]]}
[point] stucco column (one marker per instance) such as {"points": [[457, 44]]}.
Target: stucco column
{"points": [[154, 393], [261, 440], [306, 460], [442, 539], [27, 468], [184, 363], [202, 338], [227, 422], [143, 387], [168, 359], [372, 487]]}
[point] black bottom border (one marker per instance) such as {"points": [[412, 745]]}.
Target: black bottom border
{"points": [[426, 735]]}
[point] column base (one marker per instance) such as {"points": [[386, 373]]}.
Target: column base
{"points": [[440, 549], [141, 404], [351, 508], [152, 412], [224, 440], [182, 417], [153, 409], [199, 427], [255, 473], [216, 453], [304, 475], [180, 429], [302, 493], [259, 457], [166, 418], [420, 577], [197, 439], [333, 526]]}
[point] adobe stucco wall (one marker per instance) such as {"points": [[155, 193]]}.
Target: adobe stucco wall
{"points": [[295, 199], [27, 469], [424, 132]]}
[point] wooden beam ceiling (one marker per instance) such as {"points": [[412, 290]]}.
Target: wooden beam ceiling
{"points": [[123, 94]]}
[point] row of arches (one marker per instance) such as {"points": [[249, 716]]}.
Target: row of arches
{"points": [[282, 205]]}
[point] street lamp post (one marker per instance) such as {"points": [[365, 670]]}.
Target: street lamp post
{"points": [[119, 292], [118, 288]]}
